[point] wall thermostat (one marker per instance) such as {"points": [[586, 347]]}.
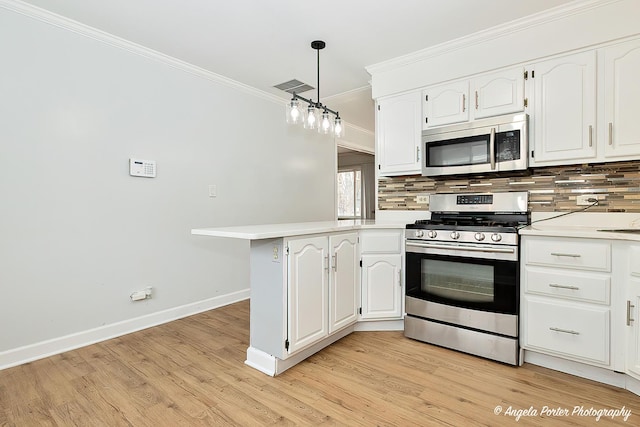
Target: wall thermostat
{"points": [[144, 168]]}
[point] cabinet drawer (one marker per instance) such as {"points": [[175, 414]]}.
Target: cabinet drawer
{"points": [[579, 332], [372, 241], [581, 286], [581, 254]]}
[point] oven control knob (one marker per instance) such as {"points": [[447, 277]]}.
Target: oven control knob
{"points": [[432, 234], [419, 233], [455, 235], [479, 236], [496, 237]]}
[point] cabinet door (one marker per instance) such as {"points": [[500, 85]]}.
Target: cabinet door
{"points": [[307, 291], [633, 314], [564, 109], [343, 281], [621, 128], [446, 104], [381, 286], [498, 93], [399, 135]]}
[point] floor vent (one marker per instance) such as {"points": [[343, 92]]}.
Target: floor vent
{"points": [[294, 86]]}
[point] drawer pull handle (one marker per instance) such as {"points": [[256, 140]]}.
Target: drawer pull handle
{"points": [[629, 307], [555, 285], [567, 255], [565, 331]]}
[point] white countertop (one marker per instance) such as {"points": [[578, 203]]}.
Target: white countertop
{"points": [[585, 225], [270, 231]]}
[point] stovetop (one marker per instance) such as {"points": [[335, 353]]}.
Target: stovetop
{"points": [[480, 213]]}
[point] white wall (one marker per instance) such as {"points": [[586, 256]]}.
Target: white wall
{"points": [[78, 234]]}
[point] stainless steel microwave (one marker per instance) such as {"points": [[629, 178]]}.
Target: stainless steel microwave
{"points": [[496, 144]]}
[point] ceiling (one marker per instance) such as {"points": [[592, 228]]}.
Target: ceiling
{"points": [[263, 43]]}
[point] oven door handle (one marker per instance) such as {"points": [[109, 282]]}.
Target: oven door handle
{"points": [[462, 248]]}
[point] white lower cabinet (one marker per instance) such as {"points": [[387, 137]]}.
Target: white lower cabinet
{"points": [[576, 331], [381, 286], [322, 291], [632, 321], [382, 281], [344, 281], [307, 292], [566, 298]]}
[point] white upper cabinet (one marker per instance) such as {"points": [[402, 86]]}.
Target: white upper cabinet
{"points": [[620, 128], [564, 109], [445, 104], [585, 106], [491, 94], [498, 93], [398, 135]]}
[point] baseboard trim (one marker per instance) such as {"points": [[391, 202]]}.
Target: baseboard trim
{"points": [[29, 353], [272, 366], [601, 375]]}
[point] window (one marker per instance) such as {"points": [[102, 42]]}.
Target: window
{"points": [[349, 193]]}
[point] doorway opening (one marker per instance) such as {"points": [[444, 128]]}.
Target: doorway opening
{"points": [[355, 185]]}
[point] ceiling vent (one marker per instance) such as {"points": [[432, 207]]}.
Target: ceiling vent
{"points": [[294, 86]]}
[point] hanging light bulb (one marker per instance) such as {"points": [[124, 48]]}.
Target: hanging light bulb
{"points": [[294, 115], [325, 123], [338, 130], [311, 120], [316, 114]]}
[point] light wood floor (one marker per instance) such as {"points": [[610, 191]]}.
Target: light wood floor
{"points": [[191, 372]]}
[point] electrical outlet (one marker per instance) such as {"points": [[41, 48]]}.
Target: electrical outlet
{"points": [[422, 199], [583, 199]]}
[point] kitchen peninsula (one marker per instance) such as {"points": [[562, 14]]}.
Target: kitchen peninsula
{"points": [[313, 283]]}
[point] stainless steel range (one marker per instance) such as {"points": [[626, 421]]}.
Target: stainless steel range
{"points": [[463, 274]]}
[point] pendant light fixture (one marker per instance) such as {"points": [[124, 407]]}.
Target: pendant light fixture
{"points": [[316, 115]]}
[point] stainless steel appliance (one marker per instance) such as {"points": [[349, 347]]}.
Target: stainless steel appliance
{"points": [[463, 274], [496, 144]]}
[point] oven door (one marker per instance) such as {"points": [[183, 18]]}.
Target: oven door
{"points": [[477, 277]]}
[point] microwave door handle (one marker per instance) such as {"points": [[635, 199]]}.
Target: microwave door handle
{"points": [[492, 148]]}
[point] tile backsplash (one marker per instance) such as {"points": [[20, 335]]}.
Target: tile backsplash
{"points": [[550, 189]]}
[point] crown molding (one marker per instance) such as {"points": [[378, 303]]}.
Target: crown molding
{"points": [[540, 18], [358, 129], [54, 19]]}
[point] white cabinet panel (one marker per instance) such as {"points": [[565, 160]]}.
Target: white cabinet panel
{"points": [[588, 287], [578, 253], [498, 93], [344, 281], [580, 332], [621, 127], [564, 116], [376, 241], [445, 104], [307, 291], [381, 286], [398, 135], [633, 312]]}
